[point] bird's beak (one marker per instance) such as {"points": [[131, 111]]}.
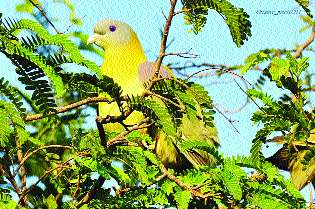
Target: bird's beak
{"points": [[92, 39]]}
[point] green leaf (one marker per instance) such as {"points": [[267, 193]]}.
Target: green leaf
{"points": [[266, 99], [12, 94], [94, 166], [254, 59], [200, 94], [232, 183], [268, 202], [155, 110], [302, 65], [11, 123], [305, 4], [50, 202], [60, 40], [236, 19], [278, 68], [168, 187], [24, 7], [182, 198], [191, 144], [119, 174]]}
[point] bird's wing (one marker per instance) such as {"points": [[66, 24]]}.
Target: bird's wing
{"points": [[147, 70], [293, 161], [301, 174], [191, 128]]}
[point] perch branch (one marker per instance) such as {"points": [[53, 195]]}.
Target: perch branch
{"points": [[68, 107], [120, 137]]}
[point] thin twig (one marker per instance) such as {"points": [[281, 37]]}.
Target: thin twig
{"points": [[22, 173], [164, 37], [35, 151], [75, 193], [228, 119], [41, 10], [181, 107], [63, 165], [10, 177], [184, 186], [187, 54], [121, 191], [120, 137], [68, 107], [301, 47], [89, 195]]}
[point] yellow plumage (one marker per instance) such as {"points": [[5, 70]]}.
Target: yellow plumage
{"points": [[121, 62]]}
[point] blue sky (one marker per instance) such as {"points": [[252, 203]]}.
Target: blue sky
{"points": [[214, 45]]}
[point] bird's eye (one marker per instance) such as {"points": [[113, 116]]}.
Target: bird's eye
{"points": [[112, 28]]}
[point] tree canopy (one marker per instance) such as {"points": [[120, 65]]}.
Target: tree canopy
{"points": [[43, 133]]}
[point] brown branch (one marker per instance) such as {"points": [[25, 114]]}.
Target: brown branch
{"points": [[62, 165], [187, 54], [301, 47], [112, 119], [68, 107], [164, 37], [121, 191], [77, 190], [10, 177], [180, 106], [22, 173], [22, 161], [41, 10], [120, 137], [89, 195], [184, 186], [188, 65]]}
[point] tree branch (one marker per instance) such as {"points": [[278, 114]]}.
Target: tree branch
{"points": [[301, 47], [41, 10], [184, 186], [122, 191], [120, 137], [89, 195], [22, 173], [112, 119], [62, 165], [187, 54], [22, 161], [9, 176], [164, 37], [180, 106], [68, 107]]}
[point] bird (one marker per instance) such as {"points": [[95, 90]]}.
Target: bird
{"points": [[126, 63], [290, 158]]}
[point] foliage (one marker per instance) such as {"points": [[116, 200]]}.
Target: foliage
{"points": [[305, 4], [70, 165], [237, 20]]}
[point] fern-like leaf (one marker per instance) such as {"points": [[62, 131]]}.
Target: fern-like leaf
{"points": [[235, 18], [305, 4], [12, 94]]}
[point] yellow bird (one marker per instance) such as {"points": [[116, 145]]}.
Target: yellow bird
{"points": [[126, 63]]}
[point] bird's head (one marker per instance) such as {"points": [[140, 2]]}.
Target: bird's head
{"points": [[111, 33]]}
